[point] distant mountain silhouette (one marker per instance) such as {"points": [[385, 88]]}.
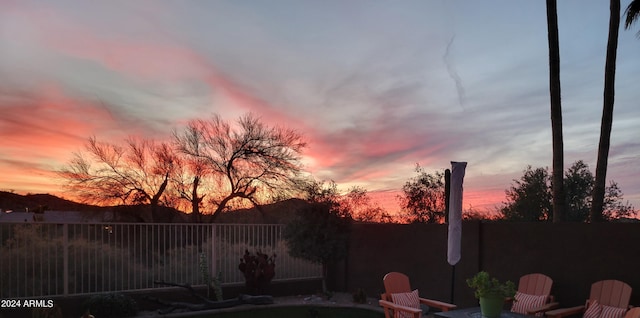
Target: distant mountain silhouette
{"points": [[279, 212], [122, 213], [33, 202]]}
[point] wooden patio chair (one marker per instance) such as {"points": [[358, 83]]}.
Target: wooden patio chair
{"points": [[608, 298], [400, 301], [633, 313], [534, 295]]}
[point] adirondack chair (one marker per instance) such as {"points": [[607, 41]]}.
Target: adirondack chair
{"points": [[400, 301], [534, 295], [633, 313], [608, 299]]}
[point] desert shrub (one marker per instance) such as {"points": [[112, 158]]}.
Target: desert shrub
{"points": [[101, 259], [176, 265], [95, 266], [23, 250]]}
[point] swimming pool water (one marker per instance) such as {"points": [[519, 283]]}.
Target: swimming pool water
{"points": [[297, 312]]}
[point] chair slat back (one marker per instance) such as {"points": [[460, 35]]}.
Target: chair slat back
{"points": [[395, 282], [535, 284], [611, 293]]}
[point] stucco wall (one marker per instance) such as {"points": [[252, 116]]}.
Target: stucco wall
{"points": [[574, 255]]}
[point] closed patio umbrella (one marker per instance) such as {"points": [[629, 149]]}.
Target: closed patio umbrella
{"points": [[455, 217], [455, 212]]}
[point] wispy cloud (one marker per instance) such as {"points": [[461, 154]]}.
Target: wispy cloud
{"points": [[374, 88]]}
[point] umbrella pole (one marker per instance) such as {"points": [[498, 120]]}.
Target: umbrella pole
{"points": [[453, 280]]}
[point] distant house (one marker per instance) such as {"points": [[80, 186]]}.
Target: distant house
{"points": [[15, 217]]}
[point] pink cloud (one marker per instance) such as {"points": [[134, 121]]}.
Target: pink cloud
{"points": [[40, 131], [49, 127], [159, 59], [47, 117]]}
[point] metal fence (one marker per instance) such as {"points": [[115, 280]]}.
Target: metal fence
{"points": [[43, 259]]}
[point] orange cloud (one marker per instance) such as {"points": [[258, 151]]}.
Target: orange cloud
{"points": [[476, 200], [39, 131], [44, 126]]}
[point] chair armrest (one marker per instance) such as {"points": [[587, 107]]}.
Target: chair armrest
{"points": [[438, 304], [563, 312], [543, 308], [389, 305]]}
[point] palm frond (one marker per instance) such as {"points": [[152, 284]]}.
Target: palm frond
{"points": [[632, 13]]}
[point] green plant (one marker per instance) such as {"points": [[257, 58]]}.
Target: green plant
{"points": [[213, 283], [217, 286], [360, 296], [111, 305], [485, 285]]}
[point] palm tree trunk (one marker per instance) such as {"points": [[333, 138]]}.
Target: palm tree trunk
{"points": [[597, 200], [556, 112]]}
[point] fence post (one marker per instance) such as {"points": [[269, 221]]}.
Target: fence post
{"points": [[65, 259], [214, 265]]}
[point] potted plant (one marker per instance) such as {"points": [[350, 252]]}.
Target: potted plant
{"points": [[491, 293]]}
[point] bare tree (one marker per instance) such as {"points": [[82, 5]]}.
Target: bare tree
{"points": [[193, 169], [137, 173], [362, 208], [249, 161]]}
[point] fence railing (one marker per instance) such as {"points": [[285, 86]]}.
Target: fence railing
{"points": [[44, 259]]}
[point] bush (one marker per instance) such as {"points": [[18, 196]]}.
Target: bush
{"points": [[319, 234], [112, 305]]}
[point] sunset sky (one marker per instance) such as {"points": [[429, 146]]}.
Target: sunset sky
{"points": [[374, 86]]}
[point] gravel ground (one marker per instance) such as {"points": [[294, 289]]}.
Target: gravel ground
{"points": [[338, 299]]}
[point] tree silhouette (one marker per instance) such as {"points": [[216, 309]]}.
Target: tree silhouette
{"points": [[579, 185], [248, 161], [362, 208], [106, 173], [193, 171], [529, 199], [423, 197], [319, 234], [355, 204]]}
